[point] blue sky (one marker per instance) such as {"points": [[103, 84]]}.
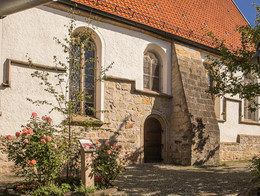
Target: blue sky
{"points": [[248, 9]]}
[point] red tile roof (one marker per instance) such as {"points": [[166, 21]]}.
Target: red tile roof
{"points": [[184, 18]]}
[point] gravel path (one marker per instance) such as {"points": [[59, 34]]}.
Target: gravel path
{"points": [[166, 179]]}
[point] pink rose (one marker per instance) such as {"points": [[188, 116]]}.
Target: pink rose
{"points": [[54, 145], [107, 144], [26, 141], [9, 137], [34, 114], [43, 141], [43, 117], [24, 134], [17, 134], [32, 162], [48, 119], [48, 138], [30, 131], [114, 145], [4, 144], [97, 178]]}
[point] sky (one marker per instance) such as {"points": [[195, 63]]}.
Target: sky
{"points": [[248, 9]]}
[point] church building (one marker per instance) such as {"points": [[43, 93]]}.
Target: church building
{"points": [[155, 93]]}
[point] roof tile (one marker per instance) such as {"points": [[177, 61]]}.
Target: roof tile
{"points": [[185, 18]]}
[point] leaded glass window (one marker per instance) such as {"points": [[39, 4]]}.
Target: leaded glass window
{"points": [[151, 72], [82, 78]]}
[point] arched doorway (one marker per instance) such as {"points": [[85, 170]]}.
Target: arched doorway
{"points": [[152, 140]]}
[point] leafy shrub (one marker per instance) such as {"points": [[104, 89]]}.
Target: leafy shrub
{"points": [[255, 167], [107, 164], [84, 189], [25, 187], [38, 150], [73, 181], [51, 190]]}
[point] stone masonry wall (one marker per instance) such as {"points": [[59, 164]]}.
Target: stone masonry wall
{"points": [[203, 129], [6, 166], [180, 134], [126, 110], [246, 147]]}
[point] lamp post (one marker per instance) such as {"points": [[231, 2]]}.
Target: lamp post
{"points": [[256, 58]]}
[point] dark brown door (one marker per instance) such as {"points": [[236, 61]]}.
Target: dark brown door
{"points": [[152, 140]]}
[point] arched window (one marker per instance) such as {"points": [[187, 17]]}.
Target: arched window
{"points": [[208, 76], [151, 78], [82, 77], [249, 114]]}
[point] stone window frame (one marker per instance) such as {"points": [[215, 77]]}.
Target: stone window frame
{"points": [[248, 115], [98, 93], [240, 112]]}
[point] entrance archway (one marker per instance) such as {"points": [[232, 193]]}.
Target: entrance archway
{"points": [[152, 140]]}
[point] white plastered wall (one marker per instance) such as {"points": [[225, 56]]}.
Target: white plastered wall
{"points": [[231, 128], [31, 32]]}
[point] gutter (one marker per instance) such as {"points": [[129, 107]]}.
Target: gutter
{"points": [[139, 25], [8, 7]]}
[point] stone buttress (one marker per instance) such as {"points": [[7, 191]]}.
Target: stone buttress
{"points": [[194, 135]]}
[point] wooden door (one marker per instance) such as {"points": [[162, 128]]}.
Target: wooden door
{"points": [[152, 140]]}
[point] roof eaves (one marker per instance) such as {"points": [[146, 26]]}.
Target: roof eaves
{"points": [[139, 25]]}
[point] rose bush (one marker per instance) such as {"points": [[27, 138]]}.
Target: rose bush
{"points": [[108, 164], [38, 150]]}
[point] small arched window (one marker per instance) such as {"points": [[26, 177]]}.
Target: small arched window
{"points": [[250, 114], [151, 71], [82, 77]]}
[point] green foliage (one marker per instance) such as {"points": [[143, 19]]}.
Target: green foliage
{"points": [[82, 189], [67, 89], [107, 164], [52, 190], [71, 180], [255, 167], [25, 187], [38, 150], [229, 70]]}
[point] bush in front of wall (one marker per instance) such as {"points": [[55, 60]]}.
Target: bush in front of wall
{"points": [[108, 164], [38, 150]]}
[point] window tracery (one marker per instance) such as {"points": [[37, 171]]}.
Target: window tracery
{"points": [[151, 68]]}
